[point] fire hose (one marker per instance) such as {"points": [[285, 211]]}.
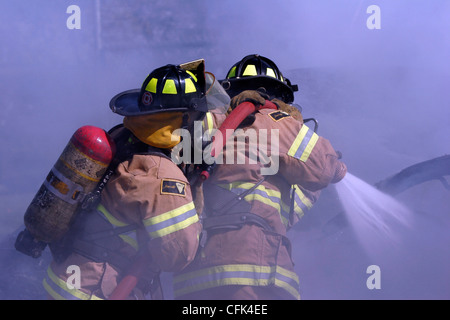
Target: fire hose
{"points": [[131, 279], [230, 124], [233, 120]]}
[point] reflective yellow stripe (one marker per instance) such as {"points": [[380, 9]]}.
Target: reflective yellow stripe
{"points": [[309, 147], [171, 221], [57, 288], [304, 201], [110, 217], [269, 197], [208, 123], [286, 209], [297, 141], [250, 70], [151, 85], [63, 285], [300, 201], [189, 86], [272, 198], [128, 238], [51, 292], [169, 87], [236, 274], [269, 202], [303, 144]]}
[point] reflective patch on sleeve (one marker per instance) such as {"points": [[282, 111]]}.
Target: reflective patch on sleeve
{"points": [[303, 144], [171, 221], [278, 115], [173, 187]]}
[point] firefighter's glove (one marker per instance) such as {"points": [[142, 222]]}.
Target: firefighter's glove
{"points": [[339, 174], [256, 97], [293, 111]]}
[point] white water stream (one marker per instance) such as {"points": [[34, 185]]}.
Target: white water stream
{"points": [[379, 221]]}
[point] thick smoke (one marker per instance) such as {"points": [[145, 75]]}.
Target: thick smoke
{"points": [[380, 96]]}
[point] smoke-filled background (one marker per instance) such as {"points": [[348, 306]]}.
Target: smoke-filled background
{"points": [[380, 95]]}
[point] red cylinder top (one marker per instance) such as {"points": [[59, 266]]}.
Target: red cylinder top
{"points": [[94, 142]]}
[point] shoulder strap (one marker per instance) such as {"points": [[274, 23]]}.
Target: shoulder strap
{"points": [[126, 146]]}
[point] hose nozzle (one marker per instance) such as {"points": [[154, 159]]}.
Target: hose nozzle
{"points": [[340, 172]]}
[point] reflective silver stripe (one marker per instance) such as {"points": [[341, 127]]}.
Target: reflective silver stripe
{"points": [[262, 194], [303, 144], [236, 274], [129, 237], [58, 289], [171, 221], [301, 202], [272, 198]]}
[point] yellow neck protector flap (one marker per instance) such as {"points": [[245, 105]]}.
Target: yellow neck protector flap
{"points": [[156, 129]]}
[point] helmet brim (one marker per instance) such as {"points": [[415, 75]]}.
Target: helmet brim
{"points": [[126, 103]]}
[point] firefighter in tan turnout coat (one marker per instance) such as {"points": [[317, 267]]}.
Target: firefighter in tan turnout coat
{"points": [[244, 252], [146, 206]]}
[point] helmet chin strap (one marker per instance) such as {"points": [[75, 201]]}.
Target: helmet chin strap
{"points": [[189, 117]]}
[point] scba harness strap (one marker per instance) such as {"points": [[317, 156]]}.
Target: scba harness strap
{"points": [[104, 246], [232, 213], [92, 236]]}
